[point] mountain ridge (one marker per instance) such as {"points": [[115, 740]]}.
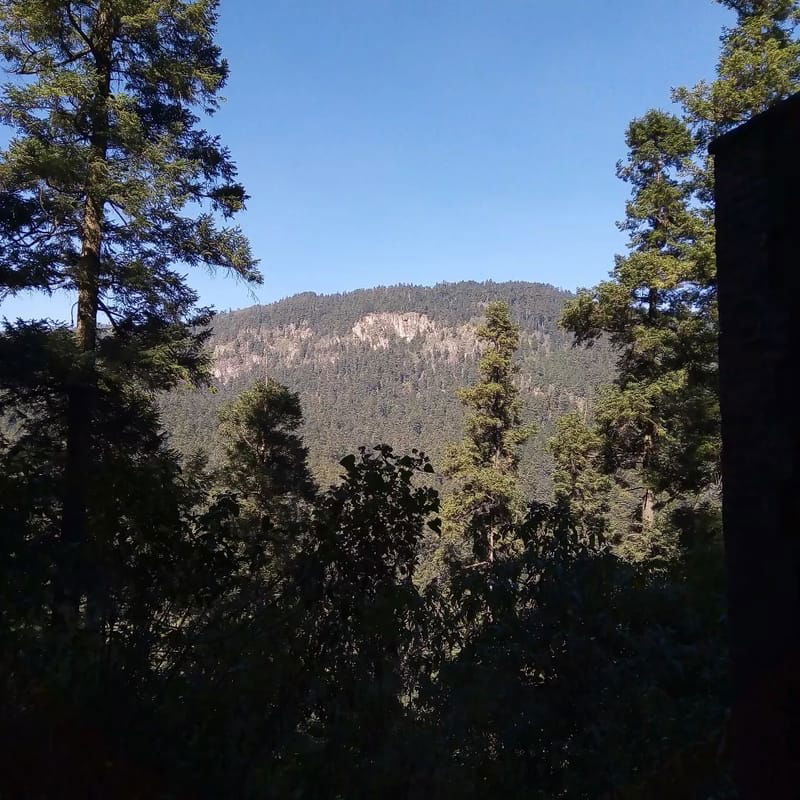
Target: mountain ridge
{"points": [[385, 364]]}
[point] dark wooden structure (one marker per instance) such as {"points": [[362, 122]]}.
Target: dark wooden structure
{"points": [[758, 257]]}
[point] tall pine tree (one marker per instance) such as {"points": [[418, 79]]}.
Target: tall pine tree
{"points": [[660, 420], [108, 189], [486, 501], [267, 466]]}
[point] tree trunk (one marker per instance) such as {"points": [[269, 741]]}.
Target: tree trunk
{"points": [[81, 400], [647, 510], [652, 303]]}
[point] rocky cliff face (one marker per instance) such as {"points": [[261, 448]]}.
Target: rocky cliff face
{"points": [[385, 365], [295, 344], [383, 331]]}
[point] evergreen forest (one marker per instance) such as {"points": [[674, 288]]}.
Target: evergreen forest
{"points": [[461, 541], [386, 364]]}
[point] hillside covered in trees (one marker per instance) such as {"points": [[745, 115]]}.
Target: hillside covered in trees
{"points": [[385, 365], [310, 611]]}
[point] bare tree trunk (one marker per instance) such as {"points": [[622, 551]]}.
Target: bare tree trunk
{"points": [[647, 512], [647, 509]]}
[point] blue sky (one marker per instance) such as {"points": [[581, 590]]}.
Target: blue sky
{"points": [[388, 141]]}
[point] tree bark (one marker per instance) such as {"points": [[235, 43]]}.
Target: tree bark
{"points": [[648, 511]]}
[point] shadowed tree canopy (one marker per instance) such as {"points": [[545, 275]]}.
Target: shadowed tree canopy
{"points": [[266, 456]]}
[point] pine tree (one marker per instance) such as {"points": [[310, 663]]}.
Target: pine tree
{"points": [[660, 420], [759, 65], [267, 464], [99, 195], [649, 308], [579, 480], [486, 501]]}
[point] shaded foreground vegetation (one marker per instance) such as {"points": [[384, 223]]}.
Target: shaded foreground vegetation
{"points": [[244, 633], [178, 628]]}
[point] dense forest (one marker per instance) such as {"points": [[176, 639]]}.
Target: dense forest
{"points": [[223, 621], [385, 365]]}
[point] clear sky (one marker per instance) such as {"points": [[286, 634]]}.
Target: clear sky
{"points": [[417, 141]]}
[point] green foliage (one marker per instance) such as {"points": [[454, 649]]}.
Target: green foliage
{"points": [[366, 621], [541, 698], [156, 556], [226, 668], [108, 190], [105, 114], [659, 313], [579, 480], [486, 498], [660, 421], [266, 459], [107, 186], [656, 429], [332, 675], [759, 65], [107, 167]]}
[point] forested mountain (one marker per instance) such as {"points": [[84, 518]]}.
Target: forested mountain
{"points": [[172, 628], [385, 365]]}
